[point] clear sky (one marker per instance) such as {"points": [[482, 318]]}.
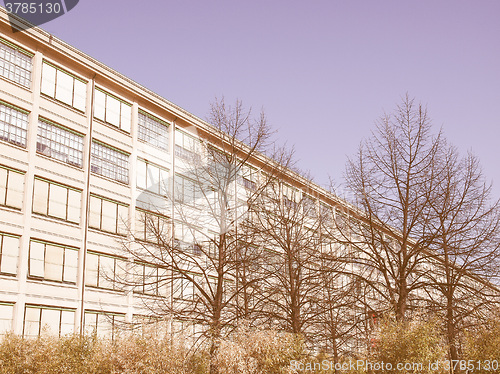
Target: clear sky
{"points": [[323, 71]]}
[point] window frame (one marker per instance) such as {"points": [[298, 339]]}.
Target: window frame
{"points": [[22, 55], [4, 201], [121, 126], [74, 77], [117, 225], [3, 252], [9, 125], [118, 170], [53, 144], [182, 151], [116, 270], [64, 265], [48, 201], [163, 185], [144, 132], [40, 317]]}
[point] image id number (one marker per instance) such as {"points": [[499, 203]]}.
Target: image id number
{"points": [[33, 8]]}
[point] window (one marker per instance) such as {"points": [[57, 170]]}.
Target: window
{"points": [[105, 271], [108, 215], [152, 178], [187, 191], [58, 142], [63, 86], [183, 288], [103, 324], [290, 197], [309, 206], [9, 253], [151, 280], [11, 187], [13, 124], [53, 262], [56, 200], [6, 314], [248, 177], [189, 238], [109, 162], [15, 63], [151, 227], [326, 213], [187, 147], [40, 320], [112, 110], [153, 130]]}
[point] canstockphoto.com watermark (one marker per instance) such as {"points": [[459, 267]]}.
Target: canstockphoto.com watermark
{"points": [[36, 12], [365, 365]]}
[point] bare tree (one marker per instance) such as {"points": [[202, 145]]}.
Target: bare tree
{"points": [[198, 254], [337, 328], [287, 223], [425, 233], [465, 245], [392, 181]]}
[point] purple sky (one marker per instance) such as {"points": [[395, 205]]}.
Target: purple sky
{"points": [[323, 71]]}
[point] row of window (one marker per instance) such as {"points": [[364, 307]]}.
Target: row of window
{"points": [[52, 320], [65, 145], [58, 142], [60, 201], [59, 263], [63, 86]]}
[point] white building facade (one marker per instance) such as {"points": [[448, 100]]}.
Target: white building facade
{"points": [[83, 151]]}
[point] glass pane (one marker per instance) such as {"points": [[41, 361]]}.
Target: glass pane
{"points": [[58, 197], [104, 325], [50, 321], [112, 111], [122, 219], [70, 265], [153, 178], [163, 182], [48, 80], [64, 87], [91, 269], [32, 321], [41, 196], [140, 225], [106, 272], [37, 255], [100, 105], [15, 190], [179, 138], [141, 174], [54, 262], [80, 95], [3, 185], [74, 203], [95, 212], [108, 216], [90, 323], [6, 318], [120, 274], [67, 322], [10, 253], [126, 117]]}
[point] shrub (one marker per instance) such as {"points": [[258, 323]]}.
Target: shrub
{"points": [[412, 344], [259, 351], [482, 346]]}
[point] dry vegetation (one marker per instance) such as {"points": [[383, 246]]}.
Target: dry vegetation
{"points": [[249, 351]]}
